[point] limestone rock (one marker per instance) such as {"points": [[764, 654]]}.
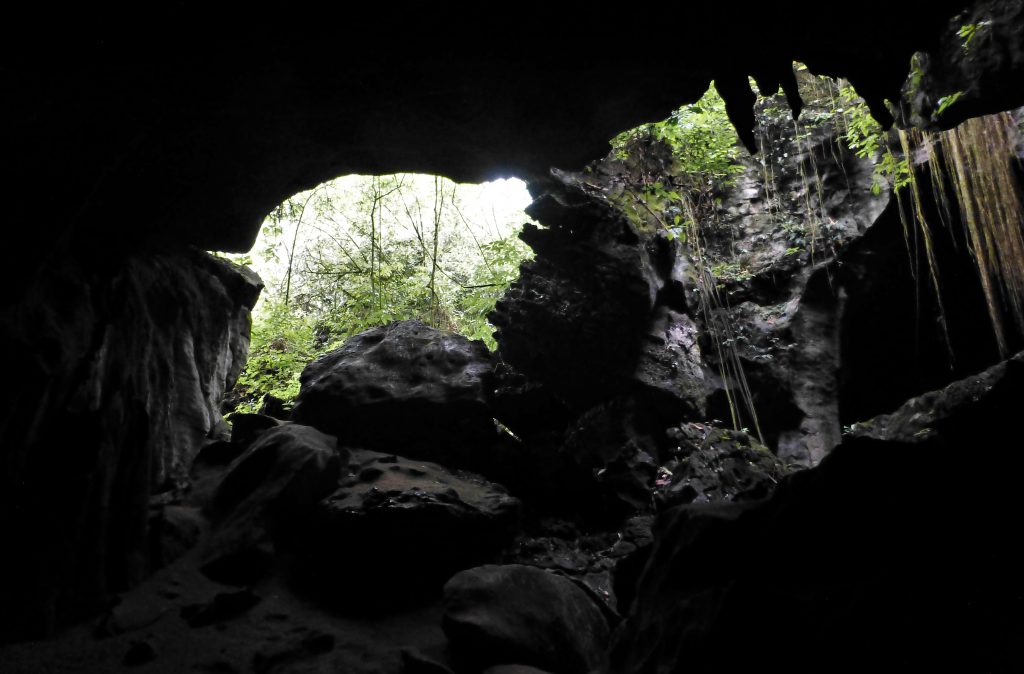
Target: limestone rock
{"points": [[980, 72], [710, 464], [404, 386], [897, 541], [593, 560], [495, 615], [925, 417], [265, 495], [121, 371], [396, 528], [598, 289]]}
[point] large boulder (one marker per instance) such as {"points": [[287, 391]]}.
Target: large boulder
{"points": [[396, 528], [265, 496], [605, 291], [496, 615], [404, 386]]}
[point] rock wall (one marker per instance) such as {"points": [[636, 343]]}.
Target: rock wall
{"points": [[114, 380], [870, 557]]}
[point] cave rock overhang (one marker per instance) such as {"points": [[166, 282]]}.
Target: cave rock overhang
{"points": [[192, 135]]}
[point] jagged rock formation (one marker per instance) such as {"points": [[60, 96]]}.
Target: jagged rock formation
{"points": [[158, 134], [592, 560], [877, 565], [973, 72], [939, 414], [711, 465], [599, 288], [773, 231], [122, 371]]}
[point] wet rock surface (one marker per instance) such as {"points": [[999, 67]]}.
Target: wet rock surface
{"points": [[710, 465], [404, 385], [496, 615], [772, 326]]}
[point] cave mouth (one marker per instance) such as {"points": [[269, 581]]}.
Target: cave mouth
{"points": [[619, 521], [362, 251]]}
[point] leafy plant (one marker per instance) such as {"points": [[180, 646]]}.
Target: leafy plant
{"points": [[970, 31], [281, 345], [945, 102], [867, 139]]}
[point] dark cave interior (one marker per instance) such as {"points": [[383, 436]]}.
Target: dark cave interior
{"points": [[612, 521]]}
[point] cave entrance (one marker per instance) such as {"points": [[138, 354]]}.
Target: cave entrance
{"points": [[361, 251]]}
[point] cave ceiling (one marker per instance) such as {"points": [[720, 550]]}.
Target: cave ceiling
{"points": [[186, 125]]}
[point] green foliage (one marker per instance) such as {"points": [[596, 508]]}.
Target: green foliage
{"points": [[970, 31], [796, 235], [945, 102], [281, 345], [867, 139], [700, 135], [365, 251], [731, 272]]}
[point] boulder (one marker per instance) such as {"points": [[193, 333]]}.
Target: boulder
{"points": [[495, 615], [396, 528], [265, 495], [173, 530], [245, 428], [710, 464], [404, 385]]}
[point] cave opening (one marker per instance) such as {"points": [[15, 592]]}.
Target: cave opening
{"points": [[729, 387], [362, 251]]}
